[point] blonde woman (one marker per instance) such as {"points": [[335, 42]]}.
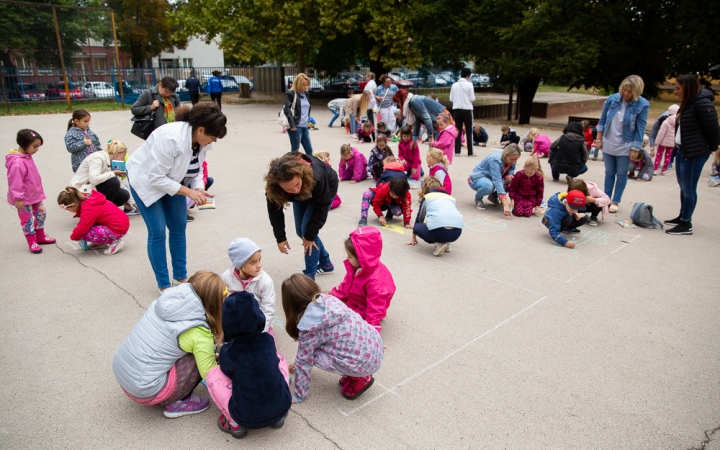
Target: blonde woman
{"points": [[355, 107], [620, 132], [95, 172], [297, 111]]}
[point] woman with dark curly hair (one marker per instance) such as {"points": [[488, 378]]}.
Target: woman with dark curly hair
{"points": [[310, 185]]}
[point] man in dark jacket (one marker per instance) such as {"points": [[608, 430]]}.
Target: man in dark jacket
{"points": [[162, 96], [192, 84], [568, 154]]}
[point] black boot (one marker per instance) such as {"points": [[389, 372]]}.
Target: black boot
{"points": [[681, 228]]}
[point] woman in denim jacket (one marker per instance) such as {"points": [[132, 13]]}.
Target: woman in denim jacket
{"points": [[620, 133]]}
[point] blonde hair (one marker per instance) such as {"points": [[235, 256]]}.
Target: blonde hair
{"points": [[388, 160], [533, 133], [299, 78], [115, 147], [324, 156], [364, 100], [635, 84], [444, 117], [70, 196], [439, 156], [510, 150], [211, 290], [429, 184], [534, 163], [345, 149]]}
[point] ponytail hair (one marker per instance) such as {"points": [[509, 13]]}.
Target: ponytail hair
{"points": [[210, 288], [438, 156], [78, 114], [69, 197], [115, 146]]}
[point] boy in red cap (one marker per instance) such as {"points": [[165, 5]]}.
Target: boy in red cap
{"points": [[562, 216]]}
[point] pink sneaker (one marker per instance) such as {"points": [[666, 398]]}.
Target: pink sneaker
{"points": [[663, 173], [114, 247], [356, 386], [191, 405]]}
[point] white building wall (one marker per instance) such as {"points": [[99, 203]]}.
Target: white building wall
{"points": [[197, 51]]}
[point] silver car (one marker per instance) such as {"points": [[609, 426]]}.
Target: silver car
{"points": [[97, 89]]}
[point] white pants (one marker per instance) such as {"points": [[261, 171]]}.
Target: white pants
{"points": [[388, 117]]}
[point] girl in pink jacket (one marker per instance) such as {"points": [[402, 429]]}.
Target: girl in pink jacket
{"points": [[25, 191], [368, 286], [446, 137], [353, 165], [409, 153], [665, 141]]}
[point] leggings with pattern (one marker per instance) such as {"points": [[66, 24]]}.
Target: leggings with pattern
{"points": [[100, 234], [667, 157], [31, 218]]}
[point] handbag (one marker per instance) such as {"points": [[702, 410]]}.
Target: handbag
{"points": [[282, 118], [144, 125]]}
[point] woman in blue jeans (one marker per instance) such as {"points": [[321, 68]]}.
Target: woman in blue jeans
{"points": [[297, 111], [157, 173], [491, 176], [620, 132], [417, 110], [310, 185], [696, 136]]}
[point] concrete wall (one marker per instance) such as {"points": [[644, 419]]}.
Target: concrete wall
{"points": [[202, 54]]}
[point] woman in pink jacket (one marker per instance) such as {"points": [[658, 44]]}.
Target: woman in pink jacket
{"points": [[446, 137], [353, 164], [368, 286]]}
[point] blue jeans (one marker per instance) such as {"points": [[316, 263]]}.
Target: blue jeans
{"points": [[353, 124], [303, 213], [688, 173], [336, 114], [300, 135], [482, 187], [616, 168], [169, 212]]}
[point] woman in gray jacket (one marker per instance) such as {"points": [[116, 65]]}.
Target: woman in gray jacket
{"points": [[162, 96]]}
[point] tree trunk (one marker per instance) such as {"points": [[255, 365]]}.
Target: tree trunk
{"points": [[527, 87], [377, 68], [301, 59]]}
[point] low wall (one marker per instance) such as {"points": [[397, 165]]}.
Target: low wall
{"points": [[553, 109]]}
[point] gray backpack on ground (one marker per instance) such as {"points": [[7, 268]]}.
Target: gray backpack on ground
{"points": [[642, 216]]}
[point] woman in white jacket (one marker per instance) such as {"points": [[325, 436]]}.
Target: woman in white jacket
{"points": [[246, 274], [95, 172], [159, 182]]}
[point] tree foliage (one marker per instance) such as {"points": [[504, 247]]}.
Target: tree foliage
{"points": [[142, 27]]}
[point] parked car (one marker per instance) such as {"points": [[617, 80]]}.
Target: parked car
{"points": [[420, 80], [240, 79], [480, 79], [341, 85], [57, 90], [24, 91], [447, 77], [399, 82], [442, 82], [451, 74], [315, 85], [97, 89], [131, 87], [181, 86], [228, 86]]}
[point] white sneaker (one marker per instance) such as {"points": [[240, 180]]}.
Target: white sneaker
{"points": [[114, 247], [714, 183], [440, 249], [480, 205], [447, 250]]}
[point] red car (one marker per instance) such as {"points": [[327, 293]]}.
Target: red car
{"points": [[396, 80], [58, 91]]}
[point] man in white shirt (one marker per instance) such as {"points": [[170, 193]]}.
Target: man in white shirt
{"points": [[462, 96], [371, 86]]}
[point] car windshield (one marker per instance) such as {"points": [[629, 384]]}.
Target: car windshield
{"points": [[28, 87], [410, 75]]}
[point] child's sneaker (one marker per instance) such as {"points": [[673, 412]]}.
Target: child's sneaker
{"points": [[132, 212], [714, 183], [571, 230], [440, 249], [663, 173], [362, 222], [236, 430], [655, 172], [593, 222], [325, 270], [190, 405], [114, 247], [85, 245], [447, 250], [356, 386]]}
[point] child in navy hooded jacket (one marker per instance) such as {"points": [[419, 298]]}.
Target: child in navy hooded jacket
{"points": [[260, 393], [562, 216]]}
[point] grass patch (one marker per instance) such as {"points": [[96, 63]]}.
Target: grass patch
{"points": [[32, 108]]}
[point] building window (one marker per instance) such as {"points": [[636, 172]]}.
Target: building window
{"points": [[168, 63], [99, 65], [187, 62]]}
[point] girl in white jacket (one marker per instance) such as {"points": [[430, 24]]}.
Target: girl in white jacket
{"points": [[246, 274]]}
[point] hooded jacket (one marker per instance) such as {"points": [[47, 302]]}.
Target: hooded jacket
{"points": [[569, 151], [554, 215], [260, 395], [666, 134], [410, 153], [142, 362], [24, 182], [75, 144], [97, 210], [698, 125], [601, 198], [262, 287], [383, 197], [390, 171], [355, 168], [93, 170], [446, 141], [369, 289], [321, 197], [329, 326]]}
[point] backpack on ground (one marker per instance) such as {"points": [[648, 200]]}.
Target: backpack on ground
{"points": [[642, 216]]}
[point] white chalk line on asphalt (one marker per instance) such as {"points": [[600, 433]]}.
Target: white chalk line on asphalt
{"points": [[599, 260], [440, 361]]}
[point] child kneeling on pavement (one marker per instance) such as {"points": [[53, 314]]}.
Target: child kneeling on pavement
{"points": [[562, 216]]}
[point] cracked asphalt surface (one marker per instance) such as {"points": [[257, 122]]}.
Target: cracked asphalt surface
{"points": [[507, 342]]}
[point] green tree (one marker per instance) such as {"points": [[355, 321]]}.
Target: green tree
{"points": [[143, 28]]}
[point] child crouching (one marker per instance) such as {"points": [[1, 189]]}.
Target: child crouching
{"points": [[596, 200], [330, 336], [101, 222], [562, 216], [393, 196]]}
